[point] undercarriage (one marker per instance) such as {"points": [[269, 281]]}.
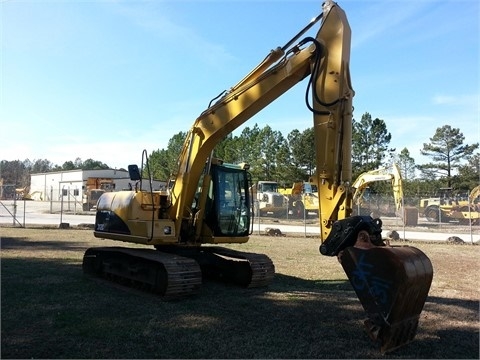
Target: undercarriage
{"points": [[174, 272]]}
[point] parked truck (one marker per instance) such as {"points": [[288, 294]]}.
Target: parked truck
{"points": [[268, 199]]}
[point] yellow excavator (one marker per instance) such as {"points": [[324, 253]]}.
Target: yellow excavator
{"points": [[409, 214], [210, 202], [474, 198], [365, 179], [302, 199], [303, 196]]}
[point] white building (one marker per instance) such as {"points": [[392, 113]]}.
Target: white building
{"points": [[51, 186]]}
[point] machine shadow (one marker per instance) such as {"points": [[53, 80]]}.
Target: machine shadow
{"points": [[291, 318]]}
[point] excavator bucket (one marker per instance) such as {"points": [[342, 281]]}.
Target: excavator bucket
{"points": [[392, 283]]}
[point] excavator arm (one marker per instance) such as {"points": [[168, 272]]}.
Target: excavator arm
{"points": [[474, 195]]}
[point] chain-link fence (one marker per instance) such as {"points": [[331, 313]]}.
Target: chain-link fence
{"points": [[454, 218], [21, 209], [27, 212], [415, 215]]}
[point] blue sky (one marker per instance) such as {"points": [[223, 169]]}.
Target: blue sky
{"points": [[107, 79]]}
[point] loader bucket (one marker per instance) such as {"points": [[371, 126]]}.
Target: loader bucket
{"points": [[392, 283]]}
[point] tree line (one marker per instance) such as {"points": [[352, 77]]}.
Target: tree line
{"points": [[272, 156], [18, 172]]}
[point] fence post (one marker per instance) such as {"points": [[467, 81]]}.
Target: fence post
{"points": [[470, 222], [439, 217], [304, 220], [14, 209], [61, 207], [68, 198], [24, 210]]}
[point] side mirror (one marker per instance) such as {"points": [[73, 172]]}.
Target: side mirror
{"points": [[134, 173]]}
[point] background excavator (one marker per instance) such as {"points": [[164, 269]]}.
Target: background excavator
{"points": [[409, 214], [365, 179], [210, 202], [303, 196], [302, 199]]}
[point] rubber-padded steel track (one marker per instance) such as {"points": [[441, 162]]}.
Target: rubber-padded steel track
{"points": [[260, 269], [168, 275]]}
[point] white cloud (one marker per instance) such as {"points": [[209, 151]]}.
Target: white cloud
{"points": [[156, 19], [378, 17], [458, 100]]}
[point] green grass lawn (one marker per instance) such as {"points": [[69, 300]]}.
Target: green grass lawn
{"points": [[51, 310]]}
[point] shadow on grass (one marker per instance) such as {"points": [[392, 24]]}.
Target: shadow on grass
{"points": [[51, 310], [16, 243], [287, 283], [467, 304]]}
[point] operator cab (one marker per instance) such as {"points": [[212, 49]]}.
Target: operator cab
{"points": [[228, 207]]}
